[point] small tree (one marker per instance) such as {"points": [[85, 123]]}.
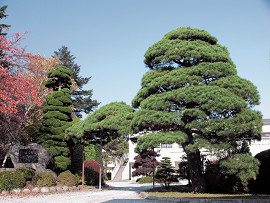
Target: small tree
{"points": [[165, 172], [145, 163], [105, 124]]}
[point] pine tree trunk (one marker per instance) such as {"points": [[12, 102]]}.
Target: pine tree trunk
{"points": [[195, 170]]}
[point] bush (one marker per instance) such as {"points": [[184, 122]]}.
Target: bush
{"points": [[91, 177], [93, 164], [261, 184], [11, 180], [28, 173], [44, 179], [67, 179], [146, 179], [231, 175]]}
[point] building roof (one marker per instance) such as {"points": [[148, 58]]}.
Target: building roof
{"points": [[266, 121]]}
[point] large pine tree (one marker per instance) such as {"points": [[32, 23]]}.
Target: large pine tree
{"points": [[193, 96], [81, 99]]}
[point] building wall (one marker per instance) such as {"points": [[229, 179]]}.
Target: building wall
{"points": [[176, 151]]}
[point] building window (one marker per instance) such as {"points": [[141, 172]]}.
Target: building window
{"points": [[265, 136], [166, 145]]}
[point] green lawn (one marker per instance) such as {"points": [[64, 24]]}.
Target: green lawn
{"points": [[185, 192]]}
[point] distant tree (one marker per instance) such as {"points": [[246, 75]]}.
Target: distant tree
{"points": [[57, 118], [193, 96], [3, 15], [145, 163], [81, 99], [166, 172]]}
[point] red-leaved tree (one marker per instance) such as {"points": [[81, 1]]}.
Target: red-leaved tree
{"points": [[93, 165], [145, 163], [15, 89]]}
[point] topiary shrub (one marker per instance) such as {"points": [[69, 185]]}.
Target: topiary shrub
{"points": [[11, 180], [28, 173], [93, 165], [44, 179], [261, 183], [231, 175], [146, 179], [67, 179], [91, 177]]}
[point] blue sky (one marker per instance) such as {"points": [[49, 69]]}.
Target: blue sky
{"points": [[109, 38]]}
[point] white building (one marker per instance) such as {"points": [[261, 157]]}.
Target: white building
{"points": [[123, 169]]}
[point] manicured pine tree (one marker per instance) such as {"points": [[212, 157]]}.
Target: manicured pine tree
{"points": [[166, 172], [193, 96], [57, 118]]}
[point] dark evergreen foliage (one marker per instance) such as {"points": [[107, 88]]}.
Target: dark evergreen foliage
{"points": [[231, 175], [193, 96], [57, 118], [165, 172], [81, 99], [3, 15], [92, 177], [261, 183]]}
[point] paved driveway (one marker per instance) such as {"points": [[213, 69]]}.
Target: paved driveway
{"points": [[117, 192]]}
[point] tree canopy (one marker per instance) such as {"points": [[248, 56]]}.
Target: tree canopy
{"points": [[192, 95], [107, 123]]}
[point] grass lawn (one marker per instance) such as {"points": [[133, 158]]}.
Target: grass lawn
{"points": [[183, 191]]}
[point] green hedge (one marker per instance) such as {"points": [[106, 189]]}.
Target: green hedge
{"points": [[44, 179], [11, 180]]}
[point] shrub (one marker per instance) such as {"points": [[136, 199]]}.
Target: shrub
{"points": [[67, 179], [11, 180], [44, 179], [261, 184], [231, 175], [146, 179], [28, 173], [92, 177], [93, 164]]}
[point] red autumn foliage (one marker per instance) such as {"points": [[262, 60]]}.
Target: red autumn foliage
{"points": [[16, 90], [93, 165], [145, 162]]}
